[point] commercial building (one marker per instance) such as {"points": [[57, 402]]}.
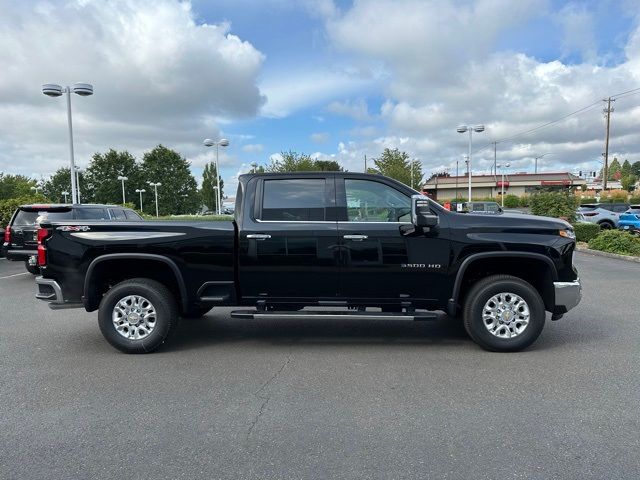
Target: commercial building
{"points": [[485, 186]]}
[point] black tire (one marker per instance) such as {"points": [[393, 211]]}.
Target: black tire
{"points": [[606, 225], [196, 312], [482, 292], [166, 317], [32, 269]]}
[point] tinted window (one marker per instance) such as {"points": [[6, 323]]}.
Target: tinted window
{"points": [[620, 208], [369, 201], [118, 214], [31, 217], [131, 215], [295, 200], [92, 214]]}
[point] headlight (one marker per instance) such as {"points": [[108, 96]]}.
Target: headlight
{"points": [[568, 234]]}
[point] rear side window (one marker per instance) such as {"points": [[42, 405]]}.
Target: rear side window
{"points": [[294, 200], [92, 214], [620, 208], [118, 214], [131, 215]]}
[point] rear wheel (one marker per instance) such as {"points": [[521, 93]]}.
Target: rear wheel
{"points": [[33, 269], [137, 315], [606, 225], [503, 313]]}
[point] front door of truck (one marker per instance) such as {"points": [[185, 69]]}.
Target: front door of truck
{"points": [[379, 261], [288, 240]]}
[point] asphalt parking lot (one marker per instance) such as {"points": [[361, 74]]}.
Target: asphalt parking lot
{"points": [[283, 399]]}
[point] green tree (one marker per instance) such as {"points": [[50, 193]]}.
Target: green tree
{"points": [[60, 182], [101, 183], [208, 192], [396, 164], [626, 168], [292, 162], [614, 169], [179, 191], [12, 186], [628, 182], [328, 166], [635, 169]]}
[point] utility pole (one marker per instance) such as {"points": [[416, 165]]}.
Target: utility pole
{"points": [[495, 157], [605, 170], [365, 164]]}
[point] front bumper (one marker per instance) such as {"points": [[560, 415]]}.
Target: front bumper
{"points": [[49, 290], [568, 294]]}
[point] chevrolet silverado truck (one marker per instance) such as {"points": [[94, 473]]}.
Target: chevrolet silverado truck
{"points": [[302, 244]]}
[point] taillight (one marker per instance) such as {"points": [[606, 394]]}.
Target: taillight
{"points": [[7, 234], [43, 233]]}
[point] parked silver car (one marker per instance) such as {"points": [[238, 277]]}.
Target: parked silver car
{"points": [[607, 215]]}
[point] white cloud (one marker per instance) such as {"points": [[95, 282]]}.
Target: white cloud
{"points": [[578, 27], [356, 109], [155, 70], [319, 137], [253, 148]]}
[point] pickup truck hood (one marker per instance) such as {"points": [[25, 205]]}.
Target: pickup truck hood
{"points": [[517, 221]]}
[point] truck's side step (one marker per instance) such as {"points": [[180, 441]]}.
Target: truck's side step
{"points": [[347, 315]]}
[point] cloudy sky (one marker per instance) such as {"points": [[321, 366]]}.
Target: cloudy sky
{"points": [[337, 79]]}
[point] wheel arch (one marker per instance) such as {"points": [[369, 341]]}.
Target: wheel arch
{"points": [[122, 266], [541, 276]]}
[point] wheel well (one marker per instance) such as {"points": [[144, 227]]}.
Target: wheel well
{"points": [[607, 221], [108, 273], [531, 270]]}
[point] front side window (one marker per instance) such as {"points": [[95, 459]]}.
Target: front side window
{"points": [[92, 214], [369, 201], [294, 200], [118, 214]]}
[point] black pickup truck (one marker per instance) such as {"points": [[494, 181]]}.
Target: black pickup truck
{"points": [[302, 244]]}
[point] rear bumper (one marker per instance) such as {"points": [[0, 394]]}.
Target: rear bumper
{"points": [[568, 294], [49, 290], [19, 254]]}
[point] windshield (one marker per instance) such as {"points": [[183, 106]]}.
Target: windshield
{"points": [[26, 218]]}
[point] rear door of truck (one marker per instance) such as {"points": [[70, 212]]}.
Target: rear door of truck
{"points": [[288, 240]]}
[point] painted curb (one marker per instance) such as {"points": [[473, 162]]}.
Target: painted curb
{"points": [[598, 253]]}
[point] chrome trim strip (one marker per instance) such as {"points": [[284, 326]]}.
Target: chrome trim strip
{"points": [[57, 291], [118, 236]]}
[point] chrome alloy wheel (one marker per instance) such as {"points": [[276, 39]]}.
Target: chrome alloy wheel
{"points": [[506, 315], [134, 317]]}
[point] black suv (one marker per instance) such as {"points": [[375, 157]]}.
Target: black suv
{"points": [[20, 236]]}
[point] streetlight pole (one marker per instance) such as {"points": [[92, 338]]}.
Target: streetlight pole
{"points": [[535, 168], [123, 179], [34, 189], [65, 193], [457, 161], [155, 186], [254, 167], [506, 165], [77, 169], [55, 90], [140, 191], [223, 142], [467, 128]]}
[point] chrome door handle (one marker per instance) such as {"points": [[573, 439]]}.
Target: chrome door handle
{"points": [[258, 236], [357, 238]]}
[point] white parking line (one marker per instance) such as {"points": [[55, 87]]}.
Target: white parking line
{"points": [[14, 275]]}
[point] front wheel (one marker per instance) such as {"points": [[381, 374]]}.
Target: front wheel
{"points": [[503, 313], [137, 315]]}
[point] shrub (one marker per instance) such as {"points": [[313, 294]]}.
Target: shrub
{"points": [[634, 200], [511, 201], [616, 241], [584, 200], [586, 231], [524, 201], [8, 206], [554, 204], [615, 196]]}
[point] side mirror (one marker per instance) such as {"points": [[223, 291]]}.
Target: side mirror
{"points": [[421, 215]]}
